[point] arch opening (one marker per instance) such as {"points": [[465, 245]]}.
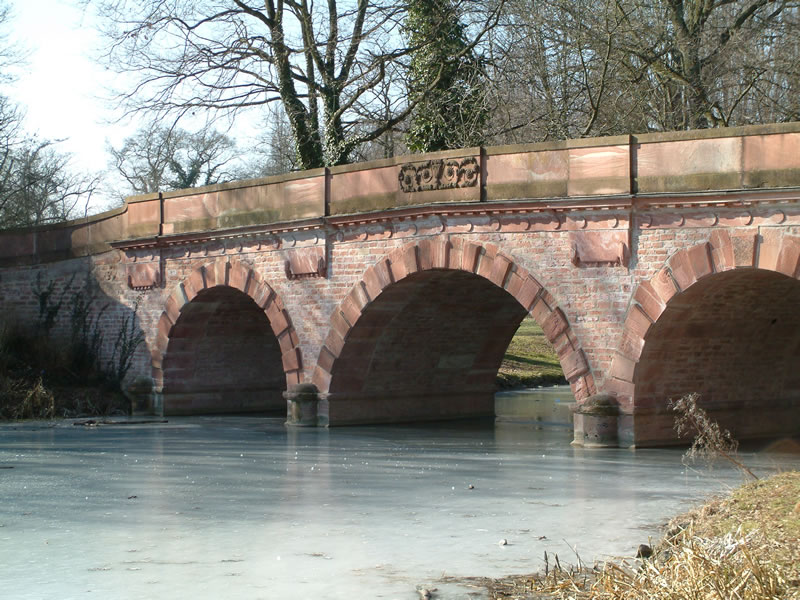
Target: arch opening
{"points": [[222, 357], [733, 337], [428, 348]]}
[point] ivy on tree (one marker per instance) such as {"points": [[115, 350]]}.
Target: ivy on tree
{"points": [[446, 81]]}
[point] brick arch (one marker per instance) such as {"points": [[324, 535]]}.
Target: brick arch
{"points": [[456, 254], [239, 276], [769, 251]]}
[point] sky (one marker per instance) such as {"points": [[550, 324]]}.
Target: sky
{"points": [[63, 88], [60, 87]]}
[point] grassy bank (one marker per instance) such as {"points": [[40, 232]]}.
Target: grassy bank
{"points": [[741, 547], [530, 360]]}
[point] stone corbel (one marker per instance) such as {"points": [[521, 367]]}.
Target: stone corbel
{"points": [[600, 248], [306, 262], [144, 276]]}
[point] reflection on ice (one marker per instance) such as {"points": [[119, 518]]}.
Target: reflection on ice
{"points": [[244, 508]]}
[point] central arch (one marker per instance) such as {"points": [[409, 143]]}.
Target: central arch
{"points": [[422, 335]]}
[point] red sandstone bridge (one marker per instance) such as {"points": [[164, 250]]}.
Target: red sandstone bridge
{"points": [[389, 291]]}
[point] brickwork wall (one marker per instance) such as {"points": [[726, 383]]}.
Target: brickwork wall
{"points": [[594, 298], [112, 308], [429, 346], [715, 311]]}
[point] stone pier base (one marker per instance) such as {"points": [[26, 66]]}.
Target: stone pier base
{"points": [[302, 405], [596, 422]]}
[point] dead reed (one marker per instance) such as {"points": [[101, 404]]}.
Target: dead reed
{"points": [[744, 547]]}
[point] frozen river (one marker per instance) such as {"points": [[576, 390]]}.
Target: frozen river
{"points": [[236, 507]]}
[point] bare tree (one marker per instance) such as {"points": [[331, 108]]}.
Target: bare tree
{"points": [[143, 160], [11, 54], [572, 68], [37, 186], [37, 183], [323, 63], [699, 54], [554, 73], [158, 158], [204, 158], [273, 151]]}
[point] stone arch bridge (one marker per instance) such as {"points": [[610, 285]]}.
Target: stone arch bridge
{"points": [[388, 291]]}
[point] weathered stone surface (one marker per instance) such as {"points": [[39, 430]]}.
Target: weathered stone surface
{"points": [[143, 276], [689, 165], [305, 262], [771, 160], [597, 420], [744, 247], [536, 174], [599, 170]]}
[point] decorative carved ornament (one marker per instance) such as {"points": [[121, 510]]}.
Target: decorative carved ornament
{"points": [[442, 174]]}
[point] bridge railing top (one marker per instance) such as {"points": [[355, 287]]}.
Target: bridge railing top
{"points": [[629, 166]]}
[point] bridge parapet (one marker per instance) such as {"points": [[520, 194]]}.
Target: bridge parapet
{"points": [[621, 171]]}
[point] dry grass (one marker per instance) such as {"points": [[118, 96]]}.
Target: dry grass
{"points": [[709, 440], [38, 380], [530, 359], [744, 547], [32, 398], [25, 399]]}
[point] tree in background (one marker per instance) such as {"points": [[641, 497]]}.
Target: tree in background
{"points": [[38, 187], [158, 158], [273, 151], [324, 63], [446, 82], [204, 158], [37, 184], [572, 68], [705, 60], [557, 79]]}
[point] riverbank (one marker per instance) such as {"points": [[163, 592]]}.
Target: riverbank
{"points": [[742, 546], [42, 378]]}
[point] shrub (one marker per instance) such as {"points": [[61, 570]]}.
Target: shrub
{"points": [[41, 376], [709, 442]]}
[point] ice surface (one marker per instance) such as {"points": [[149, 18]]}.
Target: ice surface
{"points": [[236, 507]]}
